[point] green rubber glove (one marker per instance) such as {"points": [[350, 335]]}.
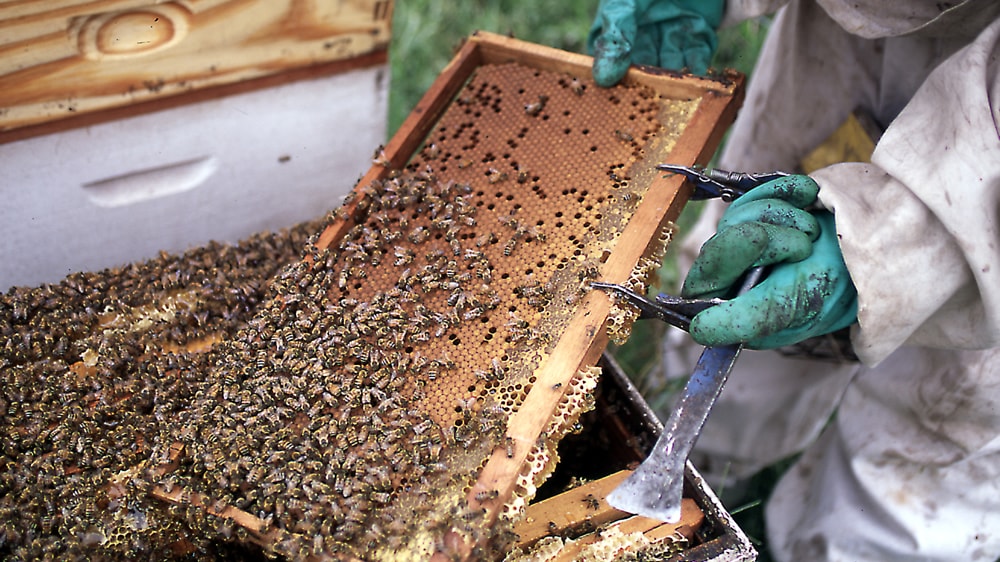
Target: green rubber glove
{"points": [[673, 34], [808, 291]]}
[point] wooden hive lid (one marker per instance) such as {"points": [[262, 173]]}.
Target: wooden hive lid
{"points": [[65, 63]]}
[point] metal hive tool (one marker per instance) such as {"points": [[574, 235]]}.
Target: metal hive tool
{"points": [[399, 394]]}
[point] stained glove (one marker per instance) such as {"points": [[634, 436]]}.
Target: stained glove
{"points": [[808, 291], [673, 34]]}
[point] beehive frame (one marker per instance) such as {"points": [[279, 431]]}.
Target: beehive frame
{"points": [[585, 337]]}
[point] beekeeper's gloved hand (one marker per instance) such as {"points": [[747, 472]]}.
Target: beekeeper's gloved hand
{"points": [[808, 291], [674, 34]]}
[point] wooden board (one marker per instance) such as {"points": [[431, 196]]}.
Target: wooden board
{"points": [[584, 509], [61, 59]]}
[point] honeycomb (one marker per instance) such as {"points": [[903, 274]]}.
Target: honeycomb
{"points": [[543, 457], [611, 545], [347, 411]]}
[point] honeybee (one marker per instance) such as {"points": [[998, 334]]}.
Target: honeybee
{"points": [[406, 278], [432, 151], [484, 272], [510, 219], [434, 257], [404, 256], [473, 255], [474, 312], [487, 495], [498, 370], [536, 107], [419, 234], [423, 426], [495, 176], [588, 270], [380, 157], [457, 298], [519, 331], [484, 375], [442, 222], [624, 136], [418, 363], [485, 239], [509, 247], [522, 231], [435, 438]]}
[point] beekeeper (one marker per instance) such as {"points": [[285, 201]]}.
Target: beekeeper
{"points": [[904, 249]]}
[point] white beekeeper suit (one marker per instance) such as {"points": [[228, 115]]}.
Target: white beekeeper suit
{"points": [[909, 469]]}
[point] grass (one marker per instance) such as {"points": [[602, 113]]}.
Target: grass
{"points": [[426, 34]]}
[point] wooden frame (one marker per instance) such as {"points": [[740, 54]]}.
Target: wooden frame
{"points": [[586, 338], [68, 63]]}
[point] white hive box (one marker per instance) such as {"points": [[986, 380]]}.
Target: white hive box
{"points": [[130, 127]]}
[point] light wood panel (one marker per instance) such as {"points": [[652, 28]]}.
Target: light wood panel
{"points": [[60, 59], [585, 508]]}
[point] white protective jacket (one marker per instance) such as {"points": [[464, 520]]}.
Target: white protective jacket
{"points": [[910, 467]]}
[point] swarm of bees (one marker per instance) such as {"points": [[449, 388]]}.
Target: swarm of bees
{"points": [[344, 396], [85, 394]]}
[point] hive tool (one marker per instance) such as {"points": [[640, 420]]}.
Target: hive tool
{"points": [[655, 488]]}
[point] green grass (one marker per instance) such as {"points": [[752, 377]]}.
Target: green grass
{"points": [[426, 34]]}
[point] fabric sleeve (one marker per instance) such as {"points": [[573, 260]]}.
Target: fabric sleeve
{"points": [[740, 10], [918, 226]]}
